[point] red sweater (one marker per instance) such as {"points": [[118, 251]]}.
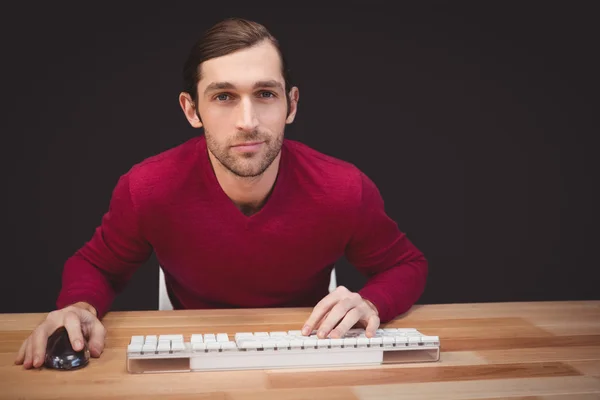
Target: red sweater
{"points": [[214, 256]]}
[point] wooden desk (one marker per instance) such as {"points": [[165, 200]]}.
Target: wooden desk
{"points": [[539, 350]]}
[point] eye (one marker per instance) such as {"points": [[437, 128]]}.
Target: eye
{"points": [[222, 97], [266, 94]]}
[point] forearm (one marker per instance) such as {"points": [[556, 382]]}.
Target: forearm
{"points": [[395, 290], [83, 283], [396, 268]]}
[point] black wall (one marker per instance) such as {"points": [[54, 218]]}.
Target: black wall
{"points": [[476, 120]]}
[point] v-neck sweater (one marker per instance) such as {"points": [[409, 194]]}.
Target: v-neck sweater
{"points": [[214, 256]]}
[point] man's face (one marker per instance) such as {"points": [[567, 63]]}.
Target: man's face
{"points": [[243, 106]]}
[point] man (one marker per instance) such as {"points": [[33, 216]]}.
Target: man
{"points": [[240, 217]]}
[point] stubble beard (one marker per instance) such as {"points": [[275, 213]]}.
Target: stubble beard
{"points": [[246, 165]]}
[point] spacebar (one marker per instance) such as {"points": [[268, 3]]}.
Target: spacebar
{"points": [[254, 359]]}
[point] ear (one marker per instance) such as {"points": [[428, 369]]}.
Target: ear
{"points": [[189, 109], [293, 99]]}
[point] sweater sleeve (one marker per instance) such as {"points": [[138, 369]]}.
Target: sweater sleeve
{"points": [[396, 269], [101, 268]]}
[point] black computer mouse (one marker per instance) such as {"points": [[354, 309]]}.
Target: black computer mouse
{"points": [[61, 355]]}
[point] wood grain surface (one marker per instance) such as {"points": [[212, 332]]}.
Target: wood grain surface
{"points": [[543, 350]]}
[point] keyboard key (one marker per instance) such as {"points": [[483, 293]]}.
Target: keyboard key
{"points": [[164, 346], [228, 346], [414, 340], [222, 337], [135, 347], [137, 339], [177, 346], [243, 334], [213, 346], [196, 346], [209, 337], [149, 347], [250, 344], [278, 334], [268, 344], [196, 338], [406, 330]]}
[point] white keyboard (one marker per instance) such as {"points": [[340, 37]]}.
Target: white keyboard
{"points": [[269, 350]]}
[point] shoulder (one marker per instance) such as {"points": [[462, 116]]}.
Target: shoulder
{"points": [[168, 160], [309, 156], [163, 172], [336, 179]]}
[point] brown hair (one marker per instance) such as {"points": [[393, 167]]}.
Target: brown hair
{"points": [[225, 37]]}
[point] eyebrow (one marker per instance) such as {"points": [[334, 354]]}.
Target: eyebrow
{"points": [[228, 85]]}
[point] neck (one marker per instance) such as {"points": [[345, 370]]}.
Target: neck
{"points": [[248, 194]]}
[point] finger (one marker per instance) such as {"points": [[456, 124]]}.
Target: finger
{"points": [[351, 318], [318, 325], [372, 326], [73, 327], [28, 361], [319, 312], [39, 340], [337, 313], [21, 353], [97, 339]]}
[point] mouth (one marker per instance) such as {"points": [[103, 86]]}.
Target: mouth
{"points": [[247, 146]]}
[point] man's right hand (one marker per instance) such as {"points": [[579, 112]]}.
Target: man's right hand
{"points": [[81, 324]]}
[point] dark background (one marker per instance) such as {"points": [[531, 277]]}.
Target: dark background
{"points": [[475, 119]]}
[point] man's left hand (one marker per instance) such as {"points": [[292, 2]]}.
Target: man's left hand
{"points": [[338, 312]]}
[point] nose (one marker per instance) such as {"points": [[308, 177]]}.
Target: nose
{"points": [[246, 116]]}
